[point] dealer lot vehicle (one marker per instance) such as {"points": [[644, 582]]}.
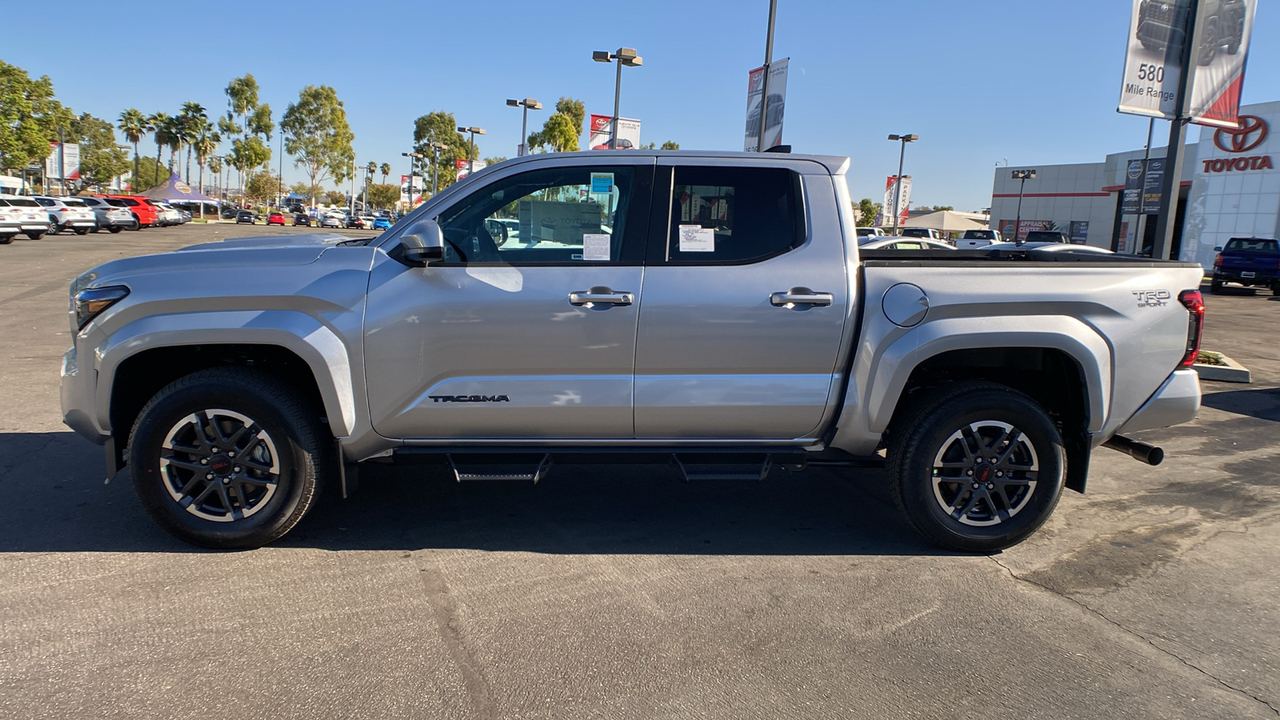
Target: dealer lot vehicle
{"points": [[865, 232], [973, 239], [706, 310], [927, 233], [110, 215], [246, 216], [301, 219], [1047, 236], [30, 216], [143, 210], [10, 226], [67, 214], [901, 242], [275, 218], [332, 221], [1252, 262]]}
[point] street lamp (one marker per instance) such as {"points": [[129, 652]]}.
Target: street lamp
{"points": [[411, 156], [624, 56], [436, 147], [897, 190], [528, 104], [1024, 176], [471, 158]]}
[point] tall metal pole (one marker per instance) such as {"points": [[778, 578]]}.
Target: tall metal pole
{"points": [[1017, 222], [280, 177], [471, 158], [1172, 185], [897, 186], [617, 93], [764, 87], [524, 128], [435, 166], [62, 165]]}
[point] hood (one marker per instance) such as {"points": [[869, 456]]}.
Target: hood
{"points": [[272, 241]]}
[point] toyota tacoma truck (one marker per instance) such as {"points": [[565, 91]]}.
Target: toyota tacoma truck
{"points": [[710, 311]]}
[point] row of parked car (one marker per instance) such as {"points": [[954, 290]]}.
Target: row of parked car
{"points": [[38, 215]]}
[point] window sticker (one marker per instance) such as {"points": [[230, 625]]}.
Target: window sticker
{"points": [[601, 182], [595, 246], [695, 238]]}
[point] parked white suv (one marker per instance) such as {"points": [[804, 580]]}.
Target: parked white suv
{"points": [[30, 217], [67, 214]]}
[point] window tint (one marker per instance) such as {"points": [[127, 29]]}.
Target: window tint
{"points": [[4, 203], [74, 203], [46, 202], [731, 215], [556, 216], [1266, 247], [979, 235], [23, 202]]}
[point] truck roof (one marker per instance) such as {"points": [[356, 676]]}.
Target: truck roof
{"points": [[835, 164]]}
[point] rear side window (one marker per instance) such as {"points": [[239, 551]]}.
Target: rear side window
{"points": [[979, 235], [130, 202], [74, 203], [4, 203], [732, 215], [1264, 247], [46, 203], [23, 202]]}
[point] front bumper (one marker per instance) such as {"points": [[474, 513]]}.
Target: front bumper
{"points": [[1176, 402], [77, 391]]}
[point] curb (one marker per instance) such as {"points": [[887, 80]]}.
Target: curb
{"points": [[1231, 372]]}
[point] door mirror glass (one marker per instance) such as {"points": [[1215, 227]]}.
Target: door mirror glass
{"points": [[1218, 249], [423, 243]]}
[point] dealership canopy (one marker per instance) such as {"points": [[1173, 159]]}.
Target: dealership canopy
{"points": [[944, 220], [174, 190]]}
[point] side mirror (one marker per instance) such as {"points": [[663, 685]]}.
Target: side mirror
{"points": [[423, 243], [1218, 249]]}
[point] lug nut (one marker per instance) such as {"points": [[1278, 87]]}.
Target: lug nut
{"points": [[208, 476], [991, 486], [204, 461], [235, 469], [975, 486], [968, 472]]}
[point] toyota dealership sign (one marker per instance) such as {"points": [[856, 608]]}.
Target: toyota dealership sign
{"points": [[1238, 143]]}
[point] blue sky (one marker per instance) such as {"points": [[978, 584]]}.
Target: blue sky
{"points": [[1031, 81]]}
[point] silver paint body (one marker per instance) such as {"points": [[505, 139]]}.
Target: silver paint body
{"points": [[700, 358]]}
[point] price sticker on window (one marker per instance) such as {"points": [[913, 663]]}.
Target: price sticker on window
{"points": [[595, 246], [695, 238], [601, 182]]}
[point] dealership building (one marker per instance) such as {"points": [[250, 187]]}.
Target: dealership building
{"points": [[1230, 188]]}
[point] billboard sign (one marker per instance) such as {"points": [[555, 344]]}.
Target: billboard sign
{"points": [[70, 161], [904, 200], [1153, 64], [411, 194], [1131, 198], [775, 110], [602, 130], [1153, 186], [466, 167]]}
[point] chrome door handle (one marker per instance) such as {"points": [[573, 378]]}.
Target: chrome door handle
{"points": [[801, 296], [600, 296]]}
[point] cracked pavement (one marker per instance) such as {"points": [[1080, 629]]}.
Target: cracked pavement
{"points": [[619, 592]]}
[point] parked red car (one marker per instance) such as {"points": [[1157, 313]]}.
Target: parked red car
{"points": [[147, 214], [275, 218]]}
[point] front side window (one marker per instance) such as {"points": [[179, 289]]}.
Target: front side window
{"points": [[731, 215], [555, 216]]}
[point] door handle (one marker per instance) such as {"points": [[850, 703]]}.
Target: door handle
{"points": [[801, 296], [600, 296]]}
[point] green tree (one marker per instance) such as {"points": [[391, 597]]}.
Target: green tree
{"points": [[335, 197], [670, 145], [134, 125], [384, 195], [191, 120], [867, 212], [385, 170], [148, 175], [440, 127], [558, 134], [248, 153], [101, 160], [242, 101], [29, 117], [160, 125], [317, 135], [576, 111], [205, 142], [261, 185], [494, 160]]}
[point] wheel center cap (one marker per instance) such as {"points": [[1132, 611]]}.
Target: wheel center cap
{"points": [[220, 465], [983, 474]]}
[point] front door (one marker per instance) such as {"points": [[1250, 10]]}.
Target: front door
{"points": [[527, 329]]}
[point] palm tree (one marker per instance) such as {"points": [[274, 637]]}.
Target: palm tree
{"points": [[134, 125], [173, 139], [386, 170], [205, 142], [192, 119], [159, 123]]}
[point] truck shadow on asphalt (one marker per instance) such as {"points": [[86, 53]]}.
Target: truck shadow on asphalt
{"points": [[1261, 403], [58, 502]]}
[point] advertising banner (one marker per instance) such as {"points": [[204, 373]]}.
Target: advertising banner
{"points": [[1026, 226], [1079, 231], [411, 195], [885, 217], [70, 161], [466, 167], [1131, 199], [602, 128], [1152, 186], [1153, 66], [774, 112]]}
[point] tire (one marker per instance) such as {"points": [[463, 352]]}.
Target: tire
{"points": [[35, 235], [137, 224], [1209, 44], [1275, 287], [82, 231], [990, 505], [6, 239], [268, 480], [1215, 286], [114, 229], [54, 228]]}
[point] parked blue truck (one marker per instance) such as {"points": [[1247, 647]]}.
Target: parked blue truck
{"points": [[1252, 262]]}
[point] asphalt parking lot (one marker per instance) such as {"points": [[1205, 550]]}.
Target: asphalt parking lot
{"points": [[619, 592]]}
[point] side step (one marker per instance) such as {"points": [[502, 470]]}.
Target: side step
{"points": [[711, 467], [525, 468]]}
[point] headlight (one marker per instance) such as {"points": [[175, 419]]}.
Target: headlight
{"points": [[90, 303]]}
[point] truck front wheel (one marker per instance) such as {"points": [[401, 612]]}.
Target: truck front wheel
{"points": [[976, 466], [228, 458]]}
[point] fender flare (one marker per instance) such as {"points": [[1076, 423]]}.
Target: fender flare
{"points": [[315, 343]]}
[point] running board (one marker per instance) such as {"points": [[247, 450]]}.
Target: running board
{"points": [[705, 467], [516, 467]]}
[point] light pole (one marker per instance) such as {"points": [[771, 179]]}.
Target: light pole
{"points": [[624, 56], [411, 156], [436, 147], [897, 190], [1024, 176], [528, 104], [471, 158]]}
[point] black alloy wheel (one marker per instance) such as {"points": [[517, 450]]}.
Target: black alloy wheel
{"points": [[1210, 43], [976, 466]]}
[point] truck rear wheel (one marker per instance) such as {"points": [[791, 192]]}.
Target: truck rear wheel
{"points": [[976, 467], [228, 458]]}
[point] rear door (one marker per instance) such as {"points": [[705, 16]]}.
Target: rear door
{"points": [[744, 301]]}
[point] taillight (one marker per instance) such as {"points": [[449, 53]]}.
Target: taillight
{"points": [[1217, 261], [1194, 304]]}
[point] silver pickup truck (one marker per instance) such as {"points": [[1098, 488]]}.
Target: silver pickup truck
{"points": [[709, 310]]}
